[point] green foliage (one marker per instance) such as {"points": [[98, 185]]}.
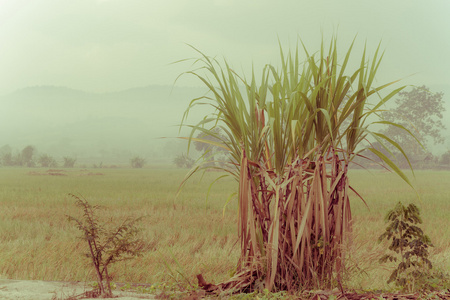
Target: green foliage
{"points": [[137, 162], [47, 161], [106, 245], [445, 158], [27, 156], [410, 245], [289, 139], [302, 108], [213, 151], [69, 162], [22, 158], [420, 111], [183, 161], [7, 159], [33, 216]]}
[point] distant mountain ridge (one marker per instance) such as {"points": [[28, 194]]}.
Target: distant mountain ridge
{"points": [[64, 121], [45, 91]]}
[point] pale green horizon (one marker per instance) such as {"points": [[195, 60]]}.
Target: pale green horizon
{"points": [[103, 47]]}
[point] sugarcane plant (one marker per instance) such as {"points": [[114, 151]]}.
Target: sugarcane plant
{"points": [[289, 141]]}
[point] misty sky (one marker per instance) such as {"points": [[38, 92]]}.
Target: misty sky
{"points": [[110, 45]]}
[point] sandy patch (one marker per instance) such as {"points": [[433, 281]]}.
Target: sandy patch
{"points": [[47, 290]]}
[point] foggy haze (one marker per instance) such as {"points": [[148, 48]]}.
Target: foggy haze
{"points": [[96, 75], [110, 127]]}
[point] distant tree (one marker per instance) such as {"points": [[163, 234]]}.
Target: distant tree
{"points": [[17, 159], [210, 145], [183, 161], [6, 156], [47, 161], [69, 162], [445, 158], [137, 162], [420, 111], [26, 156], [7, 159]]}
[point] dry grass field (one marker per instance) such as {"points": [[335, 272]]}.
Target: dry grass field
{"points": [[188, 235]]}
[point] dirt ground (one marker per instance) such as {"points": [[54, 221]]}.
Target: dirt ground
{"points": [[47, 290], [55, 290]]}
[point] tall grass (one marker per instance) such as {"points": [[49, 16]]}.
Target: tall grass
{"points": [[35, 234], [190, 237], [290, 138]]}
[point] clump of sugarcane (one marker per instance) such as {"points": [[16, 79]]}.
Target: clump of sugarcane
{"points": [[290, 140]]}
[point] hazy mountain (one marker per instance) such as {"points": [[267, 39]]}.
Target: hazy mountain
{"points": [[63, 121], [109, 127]]}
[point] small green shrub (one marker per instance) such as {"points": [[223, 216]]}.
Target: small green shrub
{"points": [[46, 161], [106, 245], [411, 247], [183, 161], [137, 162], [69, 162]]}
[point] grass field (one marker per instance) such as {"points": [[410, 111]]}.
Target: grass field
{"points": [[185, 236]]}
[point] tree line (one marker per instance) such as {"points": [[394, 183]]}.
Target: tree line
{"points": [[27, 157], [30, 158]]}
